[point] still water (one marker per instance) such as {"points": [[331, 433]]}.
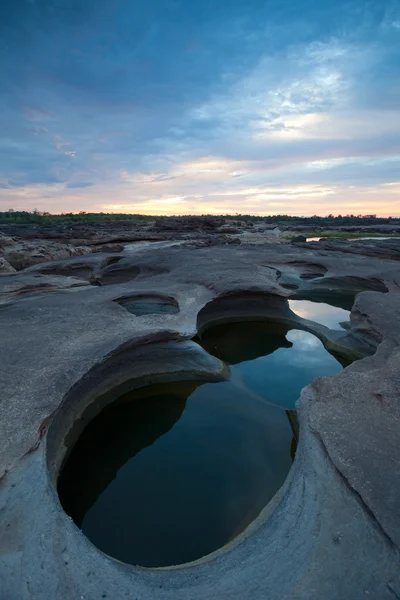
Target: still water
{"points": [[171, 472], [320, 312], [386, 237]]}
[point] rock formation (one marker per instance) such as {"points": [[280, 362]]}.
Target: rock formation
{"points": [[331, 532]]}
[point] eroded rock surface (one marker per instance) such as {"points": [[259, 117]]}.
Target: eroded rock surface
{"points": [[382, 248], [331, 532], [5, 266], [25, 245]]}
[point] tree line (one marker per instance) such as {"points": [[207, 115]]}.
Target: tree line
{"points": [[12, 216]]}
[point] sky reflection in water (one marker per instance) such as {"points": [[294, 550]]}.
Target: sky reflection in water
{"points": [[330, 316], [172, 472], [294, 358]]}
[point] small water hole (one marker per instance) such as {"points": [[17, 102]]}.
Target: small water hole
{"points": [[171, 472], [333, 317]]}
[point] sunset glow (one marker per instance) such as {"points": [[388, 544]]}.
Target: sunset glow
{"points": [[232, 107]]}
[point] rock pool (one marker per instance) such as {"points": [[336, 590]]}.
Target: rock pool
{"points": [[171, 472]]}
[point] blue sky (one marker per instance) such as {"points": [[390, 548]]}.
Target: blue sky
{"points": [[196, 106]]}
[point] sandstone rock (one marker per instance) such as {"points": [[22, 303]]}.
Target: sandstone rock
{"points": [[108, 248], [228, 229], [25, 253], [18, 286], [5, 241], [334, 521], [189, 224], [5, 267], [389, 248]]}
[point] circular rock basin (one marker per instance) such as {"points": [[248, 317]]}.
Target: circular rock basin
{"points": [[141, 305], [169, 473]]}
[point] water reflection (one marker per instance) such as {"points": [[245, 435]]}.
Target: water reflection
{"points": [[160, 479], [386, 237], [350, 239], [325, 314], [288, 359], [172, 472]]}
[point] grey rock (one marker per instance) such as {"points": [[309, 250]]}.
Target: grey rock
{"points": [[388, 249], [15, 286], [5, 266], [331, 532]]}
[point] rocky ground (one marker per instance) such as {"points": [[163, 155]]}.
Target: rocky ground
{"points": [[69, 341], [24, 245]]}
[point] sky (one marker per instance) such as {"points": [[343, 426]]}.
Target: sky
{"points": [[200, 106]]}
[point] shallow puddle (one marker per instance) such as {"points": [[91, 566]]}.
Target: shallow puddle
{"points": [[328, 298], [350, 239], [325, 314], [386, 237], [148, 305], [170, 473]]}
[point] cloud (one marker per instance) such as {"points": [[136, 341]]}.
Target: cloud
{"points": [[39, 130], [35, 114], [151, 102], [79, 184]]}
